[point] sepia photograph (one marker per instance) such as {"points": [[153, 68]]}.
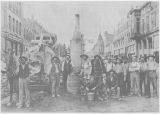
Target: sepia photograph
{"points": [[79, 56]]}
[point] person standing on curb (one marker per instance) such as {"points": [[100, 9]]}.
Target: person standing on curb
{"points": [[126, 77], [23, 83], [118, 69], [142, 75], [151, 76], [55, 76], [134, 69], [66, 70]]}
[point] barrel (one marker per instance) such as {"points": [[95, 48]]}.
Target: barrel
{"points": [[90, 96], [73, 83]]}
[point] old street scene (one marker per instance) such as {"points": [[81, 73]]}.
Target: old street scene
{"points": [[80, 56]]}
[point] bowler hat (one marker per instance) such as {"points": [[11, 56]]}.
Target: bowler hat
{"points": [[84, 55], [97, 56], [68, 55], [151, 56], [54, 58], [141, 57], [111, 70]]}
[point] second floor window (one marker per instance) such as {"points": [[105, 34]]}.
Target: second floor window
{"points": [[153, 22], [142, 25], [10, 23], [10, 5], [137, 24], [13, 24], [147, 23]]}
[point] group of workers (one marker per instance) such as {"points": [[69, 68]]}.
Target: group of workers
{"points": [[125, 77], [100, 76]]}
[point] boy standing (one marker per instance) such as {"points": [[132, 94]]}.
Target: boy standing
{"points": [[55, 76]]}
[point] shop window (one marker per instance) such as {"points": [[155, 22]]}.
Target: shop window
{"points": [[144, 43], [140, 45], [20, 28], [17, 27], [150, 43]]}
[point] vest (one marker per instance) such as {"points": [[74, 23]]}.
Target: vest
{"points": [[67, 66], [23, 73], [53, 69], [98, 67]]}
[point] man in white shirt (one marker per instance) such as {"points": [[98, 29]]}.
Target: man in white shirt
{"points": [[151, 75], [134, 68], [109, 66]]}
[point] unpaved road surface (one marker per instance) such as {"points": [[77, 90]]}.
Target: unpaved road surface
{"points": [[43, 102]]}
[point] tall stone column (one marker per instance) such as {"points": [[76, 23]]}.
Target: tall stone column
{"points": [[76, 45]]}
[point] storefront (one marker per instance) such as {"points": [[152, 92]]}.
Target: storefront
{"points": [[10, 42]]}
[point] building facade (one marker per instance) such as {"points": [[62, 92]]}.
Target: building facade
{"points": [[148, 42], [108, 44], [31, 28], [99, 46], [11, 27], [138, 33], [122, 43]]}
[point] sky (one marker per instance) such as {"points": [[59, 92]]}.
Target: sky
{"points": [[95, 17]]}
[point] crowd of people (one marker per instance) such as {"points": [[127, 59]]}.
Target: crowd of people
{"points": [[18, 71], [121, 76], [102, 77]]}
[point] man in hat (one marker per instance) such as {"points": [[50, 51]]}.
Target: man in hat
{"points": [[85, 75], [98, 71], [109, 66], [66, 70], [142, 74], [112, 84], [86, 67], [119, 73], [55, 76], [23, 73], [151, 75], [126, 85], [134, 68]]}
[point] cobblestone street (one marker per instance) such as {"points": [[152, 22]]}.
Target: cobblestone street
{"points": [[42, 102]]}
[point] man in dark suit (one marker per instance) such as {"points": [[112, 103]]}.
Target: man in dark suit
{"points": [[98, 71], [66, 70]]}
